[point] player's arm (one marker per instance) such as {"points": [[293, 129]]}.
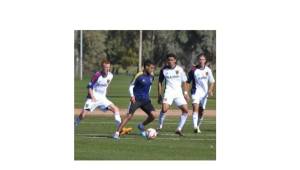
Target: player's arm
{"points": [[132, 98], [211, 89], [190, 78], [185, 85], [131, 86], [211, 81], [185, 91], [91, 85], [91, 93], [160, 87]]}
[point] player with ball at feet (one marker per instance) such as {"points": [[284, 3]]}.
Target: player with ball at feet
{"points": [[139, 90]]}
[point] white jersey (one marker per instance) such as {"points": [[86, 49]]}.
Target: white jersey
{"points": [[99, 84], [174, 78], [200, 79]]}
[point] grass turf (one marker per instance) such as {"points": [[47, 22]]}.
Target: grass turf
{"points": [[92, 141]]}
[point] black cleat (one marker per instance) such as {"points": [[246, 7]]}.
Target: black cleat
{"points": [[158, 130], [178, 133]]}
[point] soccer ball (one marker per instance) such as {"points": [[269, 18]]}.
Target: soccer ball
{"points": [[151, 133]]}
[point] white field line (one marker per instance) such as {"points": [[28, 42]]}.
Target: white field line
{"points": [[167, 123], [161, 134], [158, 138]]}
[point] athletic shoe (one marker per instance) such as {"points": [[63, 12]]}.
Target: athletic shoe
{"points": [[77, 121], [197, 130], [141, 127], [178, 132], [158, 130], [126, 131], [143, 134], [116, 136]]}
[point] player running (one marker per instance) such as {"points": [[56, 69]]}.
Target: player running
{"points": [[200, 75], [174, 76], [139, 90], [96, 97]]}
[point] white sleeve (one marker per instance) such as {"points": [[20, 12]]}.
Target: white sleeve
{"points": [[131, 90], [150, 90], [210, 76], [183, 76]]}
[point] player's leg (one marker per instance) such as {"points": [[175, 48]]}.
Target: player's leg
{"points": [[195, 117], [195, 104], [202, 106], [150, 111], [116, 113], [182, 104], [131, 110], [167, 101], [88, 106], [162, 115], [122, 125]]}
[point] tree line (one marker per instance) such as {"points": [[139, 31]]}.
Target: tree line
{"points": [[121, 47]]}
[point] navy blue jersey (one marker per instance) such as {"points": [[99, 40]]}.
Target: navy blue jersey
{"points": [[142, 83]]}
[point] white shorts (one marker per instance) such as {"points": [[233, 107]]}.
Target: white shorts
{"points": [[102, 104], [177, 98], [200, 99]]}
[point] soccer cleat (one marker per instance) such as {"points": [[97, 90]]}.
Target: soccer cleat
{"points": [[197, 130], [116, 136], [178, 132], [141, 127], [77, 121], [158, 130], [143, 134], [126, 131]]}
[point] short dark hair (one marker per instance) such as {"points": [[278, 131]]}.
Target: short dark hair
{"points": [[201, 55], [171, 55], [148, 63]]}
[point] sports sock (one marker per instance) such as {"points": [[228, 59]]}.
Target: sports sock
{"points": [[200, 120], [195, 119], [161, 119], [182, 121], [117, 119]]}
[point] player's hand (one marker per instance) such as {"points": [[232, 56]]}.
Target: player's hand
{"points": [[187, 97], [211, 93], [159, 100], [132, 99]]}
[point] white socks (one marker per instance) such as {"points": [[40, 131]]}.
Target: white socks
{"points": [[200, 121], [161, 119], [117, 119], [183, 118], [195, 120]]}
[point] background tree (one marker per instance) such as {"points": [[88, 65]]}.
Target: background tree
{"points": [[121, 47]]}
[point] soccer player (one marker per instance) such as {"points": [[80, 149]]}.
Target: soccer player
{"points": [[96, 97], [174, 76], [139, 90], [200, 75]]}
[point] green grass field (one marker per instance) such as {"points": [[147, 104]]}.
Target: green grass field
{"points": [[93, 141], [119, 95], [93, 137]]}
